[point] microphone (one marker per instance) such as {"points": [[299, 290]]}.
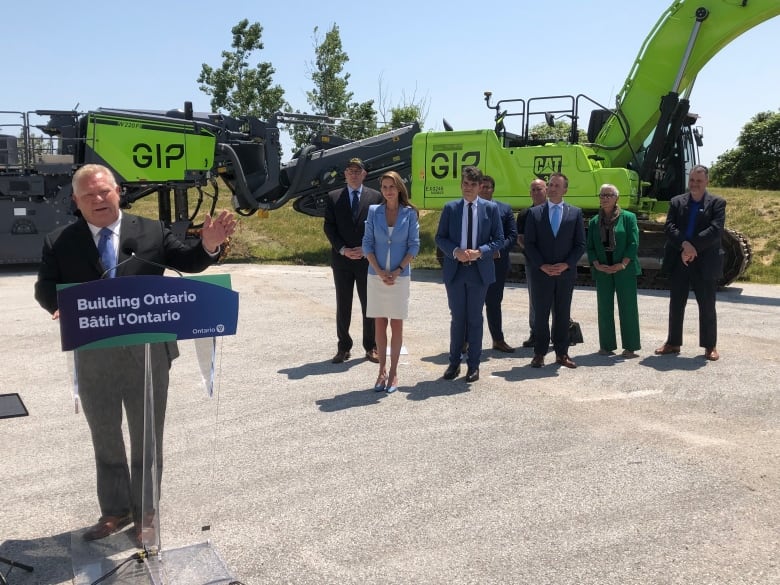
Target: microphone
{"points": [[129, 248]]}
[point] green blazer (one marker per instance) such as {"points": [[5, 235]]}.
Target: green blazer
{"points": [[626, 241]]}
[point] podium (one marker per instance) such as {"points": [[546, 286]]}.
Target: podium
{"points": [[143, 317]]}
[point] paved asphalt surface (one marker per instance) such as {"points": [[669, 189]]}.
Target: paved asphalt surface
{"points": [[657, 470]]}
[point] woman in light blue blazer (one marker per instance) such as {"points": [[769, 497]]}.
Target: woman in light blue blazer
{"points": [[390, 243]]}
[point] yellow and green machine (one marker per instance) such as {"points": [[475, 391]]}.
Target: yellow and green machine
{"points": [[644, 144]]}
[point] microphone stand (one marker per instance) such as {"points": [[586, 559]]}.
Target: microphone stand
{"points": [[134, 256]]}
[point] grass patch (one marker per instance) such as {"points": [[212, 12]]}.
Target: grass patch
{"points": [[289, 237]]}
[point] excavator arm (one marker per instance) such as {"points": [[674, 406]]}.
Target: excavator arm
{"points": [[687, 35]]}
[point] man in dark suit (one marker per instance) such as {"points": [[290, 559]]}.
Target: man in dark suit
{"points": [[554, 242], [345, 223], [94, 247], [495, 292], [469, 233], [693, 259], [538, 190]]}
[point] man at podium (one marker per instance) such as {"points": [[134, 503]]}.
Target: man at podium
{"points": [[105, 243]]}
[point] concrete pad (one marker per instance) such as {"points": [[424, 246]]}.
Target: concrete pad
{"points": [[656, 470]]}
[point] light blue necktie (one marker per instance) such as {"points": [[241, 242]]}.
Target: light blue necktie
{"points": [[107, 253], [555, 218]]}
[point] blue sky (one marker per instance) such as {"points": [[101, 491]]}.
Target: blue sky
{"points": [[148, 55]]}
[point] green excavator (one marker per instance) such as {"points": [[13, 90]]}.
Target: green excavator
{"points": [[644, 144]]}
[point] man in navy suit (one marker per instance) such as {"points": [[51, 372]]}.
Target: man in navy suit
{"points": [[693, 259], [554, 242], [469, 233], [345, 224], [495, 292], [99, 245]]}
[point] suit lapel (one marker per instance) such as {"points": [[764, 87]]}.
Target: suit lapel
{"points": [[85, 236], [128, 229]]}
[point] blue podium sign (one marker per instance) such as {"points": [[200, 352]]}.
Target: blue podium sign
{"points": [[145, 309]]}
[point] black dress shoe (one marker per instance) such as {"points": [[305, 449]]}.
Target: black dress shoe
{"points": [[538, 361], [340, 357], [372, 356], [530, 342], [451, 372], [472, 375]]}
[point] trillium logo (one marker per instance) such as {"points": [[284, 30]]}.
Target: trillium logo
{"points": [[220, 328]]}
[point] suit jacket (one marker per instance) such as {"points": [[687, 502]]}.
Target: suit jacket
{"points": [[490, 237], [404, 240], [707, 234], [626, 241], [71, 256], [341, 229], [509, 227], [542, 247]]}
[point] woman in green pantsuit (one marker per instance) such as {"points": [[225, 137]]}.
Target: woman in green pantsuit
{"points": [[613, 241]]}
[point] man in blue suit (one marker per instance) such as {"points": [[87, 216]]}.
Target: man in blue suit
{"points": [[495, 292], [469, 233], [554, 242]]}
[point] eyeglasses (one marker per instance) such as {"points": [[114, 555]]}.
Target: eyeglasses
{"points": [[606, 195]]}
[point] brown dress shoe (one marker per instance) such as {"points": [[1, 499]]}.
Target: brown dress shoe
{"points": [[106, 526], [667, 349], [372, 356], [538, 361], [340, 357], [565, 361], [711, 354], [144, 534], [503, 346]]}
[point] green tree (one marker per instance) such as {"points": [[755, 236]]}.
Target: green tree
{"points": [[409, 110], [755, 162], [238, 89], [560, 131], [331, 97]]}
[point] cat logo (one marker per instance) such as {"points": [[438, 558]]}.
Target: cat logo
{"points": [[545, 165]]}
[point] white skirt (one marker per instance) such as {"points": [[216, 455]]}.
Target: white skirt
{"points": [[390, 302]]}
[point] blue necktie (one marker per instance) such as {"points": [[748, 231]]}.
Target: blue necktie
{"points": [[106, 251], [355, 205], [555, 219]]}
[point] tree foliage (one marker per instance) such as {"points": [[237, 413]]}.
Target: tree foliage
{"points": [[560, 131], [238, 89], [408, 111], [331, 97], [755, 162]]}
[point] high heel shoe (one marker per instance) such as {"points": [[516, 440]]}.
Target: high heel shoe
{"points": [[392, 387], [380, 383]]}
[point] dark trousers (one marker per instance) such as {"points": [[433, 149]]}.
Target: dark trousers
{"points": [[493, 299], [109, 379], [681, 281], [552, 295], [346, 280], [466, 297]]}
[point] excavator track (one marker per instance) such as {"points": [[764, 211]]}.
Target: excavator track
{"points": [[737, 258]]}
